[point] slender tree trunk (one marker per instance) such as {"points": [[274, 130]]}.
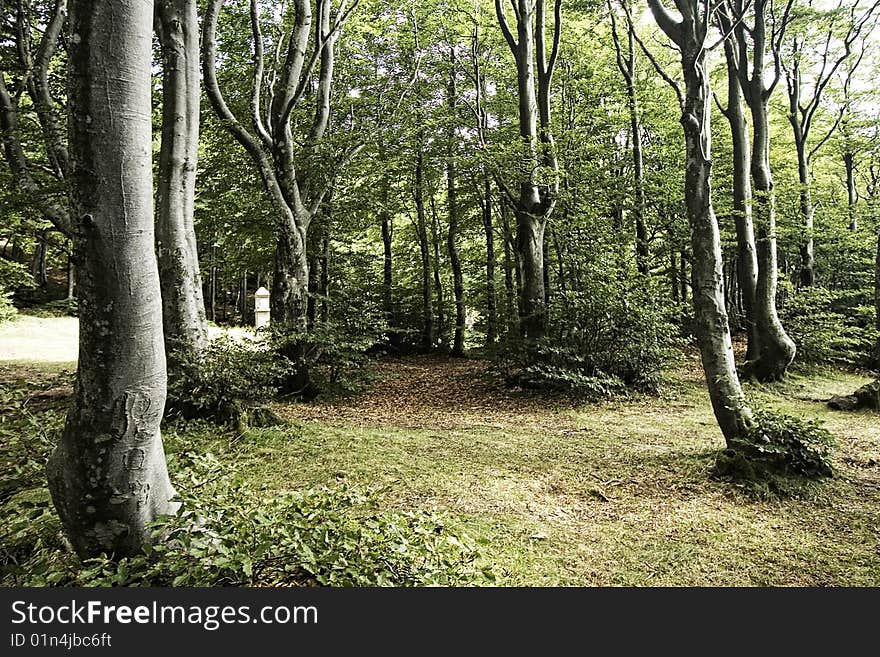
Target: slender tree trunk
{"points": [[387, 263], [683, 276], [183, 309], [422, 230], [452, 200], [324, 287], [747, 258], [716, 349], [71, 273], [775, 350], [510, 287], [851, 192], [877, 284], [491, 301], [438, 283], [808, 259], [108, 476]]}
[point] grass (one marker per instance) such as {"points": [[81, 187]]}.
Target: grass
{"points": [[613, 493]]}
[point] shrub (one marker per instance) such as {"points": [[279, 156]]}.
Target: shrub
{"points": [[600, 341], [224, 382], [7, 310], [778, 450], [329, 358], [830, 326]]}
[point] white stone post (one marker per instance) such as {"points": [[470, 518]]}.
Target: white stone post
{"points": [[261, 308]]}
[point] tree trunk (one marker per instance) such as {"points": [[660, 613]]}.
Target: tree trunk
{"points": [[808, 260], [747, 259], [877, 285], [183, 309], [510, 287], [775, 350], [530, 249], [452, 200], [491, 301], [716, 349], [851, 192], [108, 476], [387, 266], [422, 230], [71, 273], [324, 287], [438, 284], [290, 279]]}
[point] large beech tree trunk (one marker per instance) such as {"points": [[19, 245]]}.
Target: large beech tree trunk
{"points": [[716, 349], [183, 308], [108, 476]]}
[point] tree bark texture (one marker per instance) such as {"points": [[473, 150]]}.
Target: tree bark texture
{"points": [[713, 333], [183, 308], [108, 476]]}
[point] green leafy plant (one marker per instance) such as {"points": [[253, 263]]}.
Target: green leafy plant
{"points": [[230, 533], [599, 343], [778, 454], [224, 382]]}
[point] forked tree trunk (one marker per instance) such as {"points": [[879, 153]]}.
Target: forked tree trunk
{"points": [[108, 476], [183, 308], [775, 350]]}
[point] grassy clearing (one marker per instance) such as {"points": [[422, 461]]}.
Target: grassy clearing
{"points": [[614, 493]]}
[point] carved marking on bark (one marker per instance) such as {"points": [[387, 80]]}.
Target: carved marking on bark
{"points": [[134, 459]]}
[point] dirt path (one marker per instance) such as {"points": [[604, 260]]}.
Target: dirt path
{"points": [[437, 392]]}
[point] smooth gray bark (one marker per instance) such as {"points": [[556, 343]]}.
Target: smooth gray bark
{"points": [[108, 476], [774, 349], [716, 349], [747, 258], [183, 308], [296, 192]]}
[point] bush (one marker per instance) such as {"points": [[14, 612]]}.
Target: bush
{"points": [[328, 359], [224, 382], [600, 341], [230, 533], [830, 327], [7, 310], [13, 276], [778, 449]]}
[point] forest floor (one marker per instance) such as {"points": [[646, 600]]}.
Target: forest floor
{"points": [[561, 492]]}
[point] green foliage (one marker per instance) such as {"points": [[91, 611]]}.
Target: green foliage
{"points": [[57, 308], [600, 341], [7, 310], [329, 358], [830, 326], [778, 454], [14, 276], [228, 532], [222, 381]]}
